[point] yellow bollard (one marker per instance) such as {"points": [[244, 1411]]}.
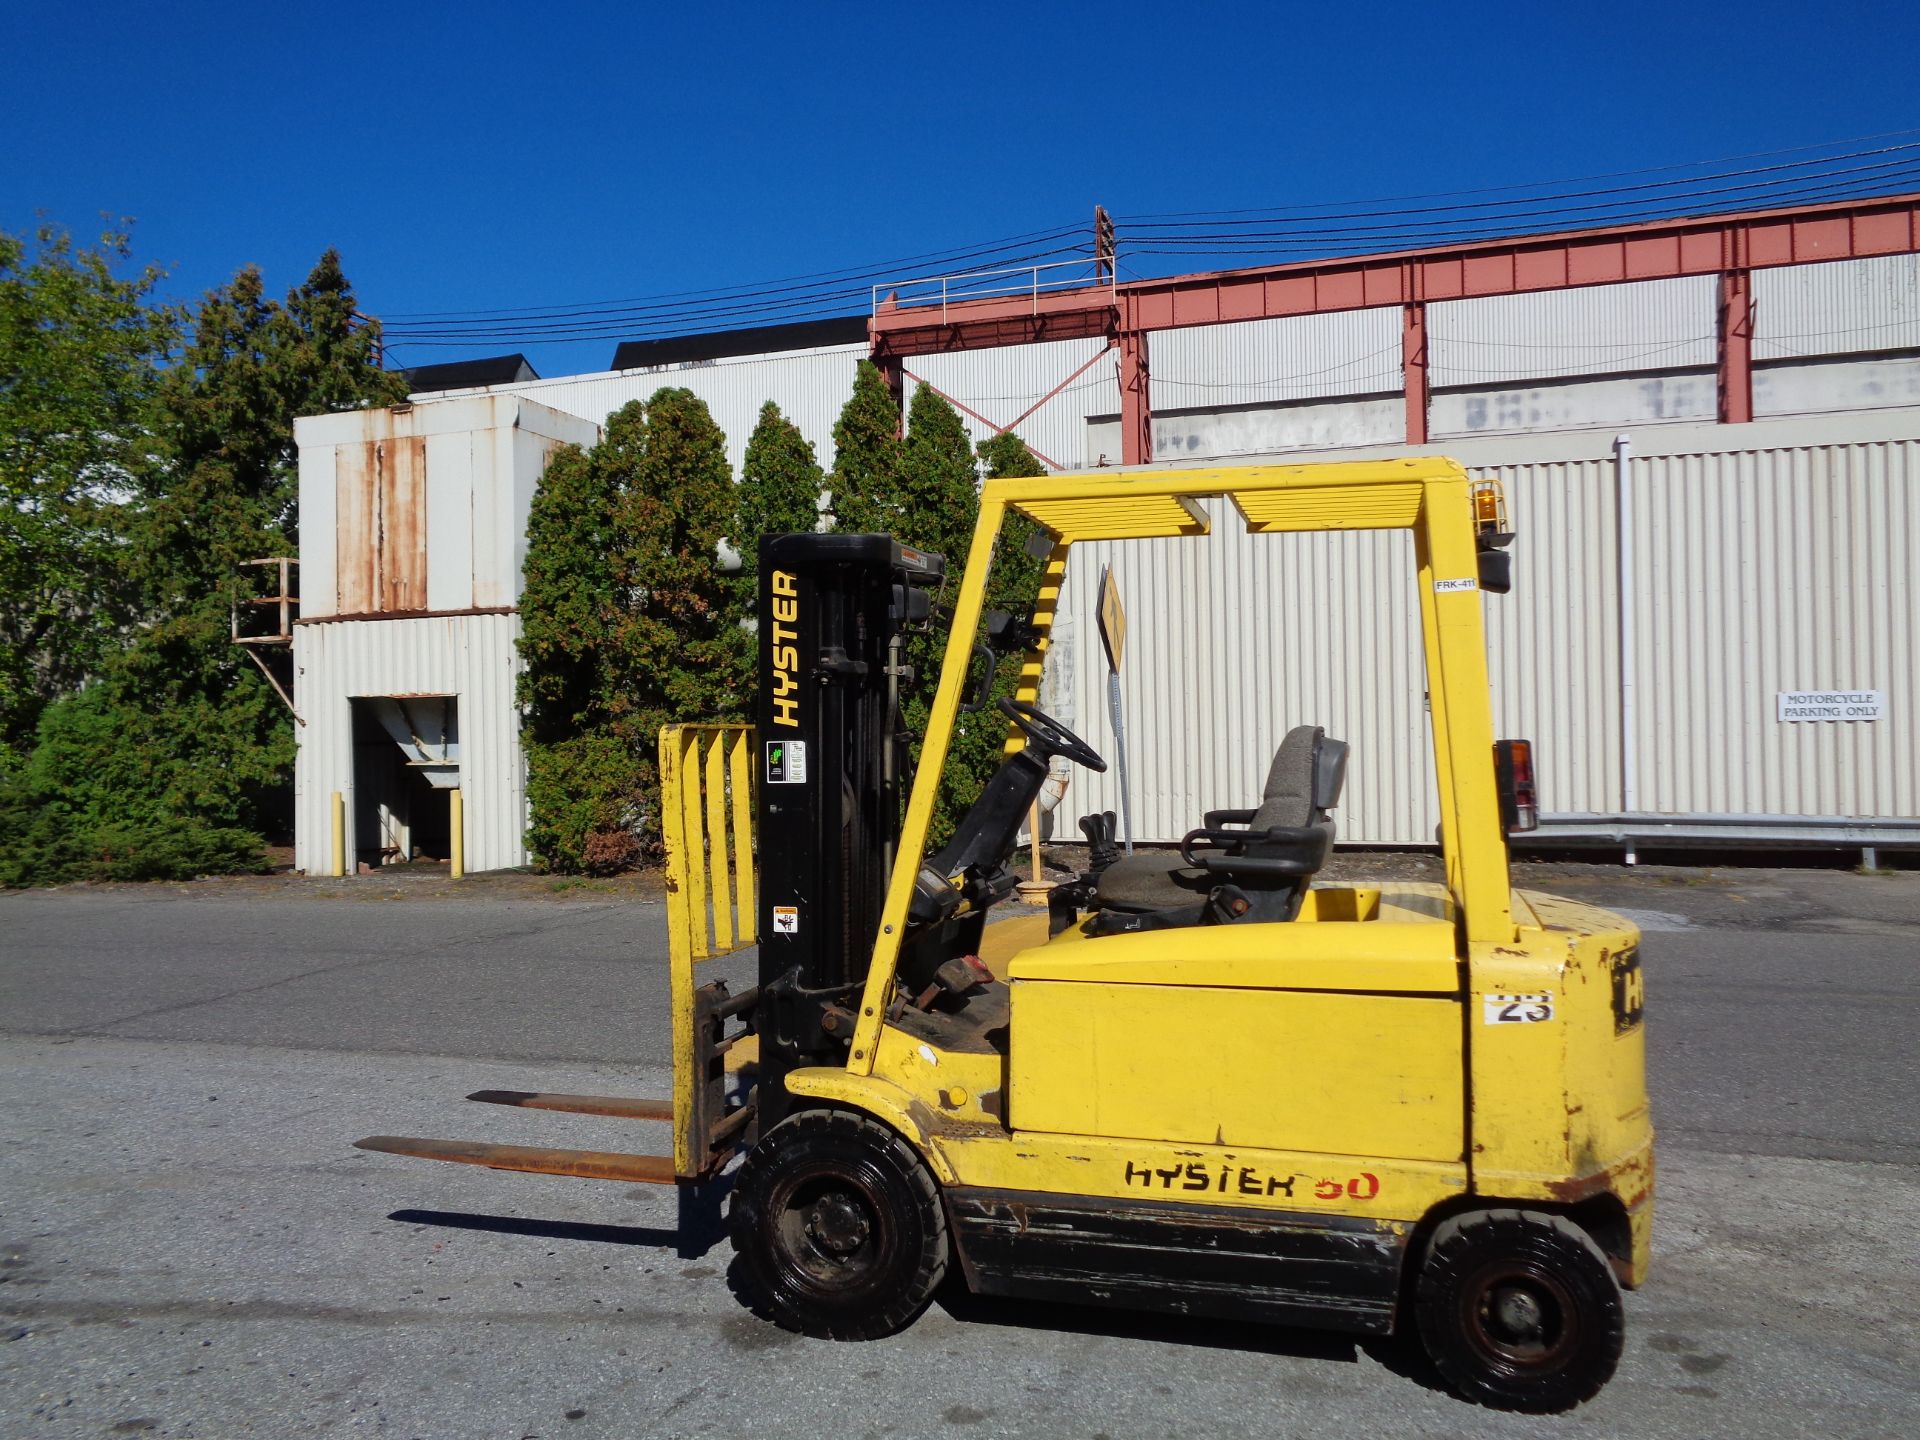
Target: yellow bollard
{"points": [[339, 867], [457, 829]]}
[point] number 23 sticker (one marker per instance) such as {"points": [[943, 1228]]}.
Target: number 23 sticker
{"points": [[1517, 1009]]}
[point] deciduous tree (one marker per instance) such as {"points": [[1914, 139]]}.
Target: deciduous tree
{"points": [[82, 343], [177, 756]]}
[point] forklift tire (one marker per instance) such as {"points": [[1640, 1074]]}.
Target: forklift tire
{"points": [[840, 1227], [1519, 1310]]}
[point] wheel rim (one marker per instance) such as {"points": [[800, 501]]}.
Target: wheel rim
{"points": [[832, 1233], [1520, 1318]]}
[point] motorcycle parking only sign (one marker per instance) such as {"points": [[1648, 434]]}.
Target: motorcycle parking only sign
{"points": [[1792, 705]]}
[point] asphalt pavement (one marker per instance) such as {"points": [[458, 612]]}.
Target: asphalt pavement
{"points": [[189, 1247]]}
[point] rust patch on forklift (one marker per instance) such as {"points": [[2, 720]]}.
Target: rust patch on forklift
{"points": [[1631, 1180]]}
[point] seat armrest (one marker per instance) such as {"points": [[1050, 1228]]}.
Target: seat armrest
{"points": [[1235, 841], [1214, 819], [1248, 867]]}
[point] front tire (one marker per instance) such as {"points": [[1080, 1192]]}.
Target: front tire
{"points": [[839, 1226], [1520, 1310]]}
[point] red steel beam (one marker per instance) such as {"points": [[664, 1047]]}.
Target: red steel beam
{"points": [[1653, 250], [1734, 327], [1413, 368], [1136, 400]]}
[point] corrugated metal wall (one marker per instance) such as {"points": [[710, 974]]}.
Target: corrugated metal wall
{"points": [[471, 657], [1596, 330], [1000, 384], [1775, 556], [1784, 568], [1352, 352], [1844, 307]]}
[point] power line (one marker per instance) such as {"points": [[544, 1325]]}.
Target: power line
{"points": [[630, 323], [816, 280], [1243, 236], [1871, 175], [1542, 184]]}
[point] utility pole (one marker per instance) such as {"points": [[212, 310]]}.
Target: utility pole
{"points": [[1103, 244]]}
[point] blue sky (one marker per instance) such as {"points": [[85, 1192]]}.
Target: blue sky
{"points": [[486, 156]]}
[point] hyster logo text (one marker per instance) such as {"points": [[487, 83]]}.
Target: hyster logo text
{"points": [[786, 655]]}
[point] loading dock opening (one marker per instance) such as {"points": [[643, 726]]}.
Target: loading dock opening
{"points": [[406, 768]]}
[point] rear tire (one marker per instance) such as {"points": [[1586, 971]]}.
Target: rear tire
{"points": [[1520, 1310], [839, 1226]]}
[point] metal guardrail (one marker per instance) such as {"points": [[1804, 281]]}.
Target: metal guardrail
{"points": [[945, 290]]}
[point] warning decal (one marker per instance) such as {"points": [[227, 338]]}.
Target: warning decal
{"points": [[786, 762], [786, 919]]}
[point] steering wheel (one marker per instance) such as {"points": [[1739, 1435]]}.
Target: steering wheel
{"points": [[1049, 737]]}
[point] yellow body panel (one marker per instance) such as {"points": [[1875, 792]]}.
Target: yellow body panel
{"points": [[1295, 955], [1352, 1074]]}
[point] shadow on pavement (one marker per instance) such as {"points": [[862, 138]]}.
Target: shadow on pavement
{"points": [[702, 1225], [970, 1309]]}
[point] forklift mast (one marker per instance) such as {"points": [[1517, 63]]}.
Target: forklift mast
{"points": [[833, 611]]}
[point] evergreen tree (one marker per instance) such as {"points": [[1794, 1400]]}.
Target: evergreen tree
{"points": [[1015, 583], [82, 344], [780, 488], [938, 501], [629, 625], [1007, 457], [867, 456], [684, 631], [583, 781], [939, 487]]}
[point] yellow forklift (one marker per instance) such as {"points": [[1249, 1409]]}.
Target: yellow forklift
{"points": [[1200, 1083]]}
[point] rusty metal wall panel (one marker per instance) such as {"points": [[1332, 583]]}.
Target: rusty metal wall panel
{"points": [[400, 533], [421, 508], [471, 657], [1596, 330], [355, 467], [1847, 307]]}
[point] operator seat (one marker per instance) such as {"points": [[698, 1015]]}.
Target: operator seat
{"points": [[1273, 860]]}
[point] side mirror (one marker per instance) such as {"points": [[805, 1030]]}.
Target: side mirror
{"points": [[1009, 630], [1496, 565], [983, 692]]}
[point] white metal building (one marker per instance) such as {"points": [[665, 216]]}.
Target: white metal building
{"points": [[414, 534], [1669, 588]]}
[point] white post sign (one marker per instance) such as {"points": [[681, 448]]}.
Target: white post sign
{"points": [[1792, 705]]}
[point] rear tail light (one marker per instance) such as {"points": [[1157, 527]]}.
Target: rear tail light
{"points": [[1513, 773]]}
